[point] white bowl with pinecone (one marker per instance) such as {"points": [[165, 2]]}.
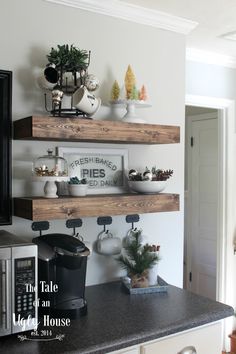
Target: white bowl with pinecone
{"points": [[150, 181]]}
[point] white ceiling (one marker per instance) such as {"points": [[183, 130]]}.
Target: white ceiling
{"points": [[215, 18]]}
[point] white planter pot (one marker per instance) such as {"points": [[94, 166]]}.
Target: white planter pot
{"points": [[78, 190]]}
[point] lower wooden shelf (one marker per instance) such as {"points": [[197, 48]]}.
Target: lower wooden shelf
{"points": [[38, 208]]}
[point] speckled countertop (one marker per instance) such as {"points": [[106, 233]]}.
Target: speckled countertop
{"points": [[116, 320]]}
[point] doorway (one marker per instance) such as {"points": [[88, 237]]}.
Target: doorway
{"points": [[226, 197], [201, 200]]}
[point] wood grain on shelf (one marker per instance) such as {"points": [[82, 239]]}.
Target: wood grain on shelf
{"points": [[78, 129], [37, 209]]}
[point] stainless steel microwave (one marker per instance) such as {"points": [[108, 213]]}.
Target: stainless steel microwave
{"points": [[18, 284]]}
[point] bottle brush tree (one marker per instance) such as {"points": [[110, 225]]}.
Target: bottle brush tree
{"points": [[115, 91], [134, 93], [130, 82], [143, 93]]}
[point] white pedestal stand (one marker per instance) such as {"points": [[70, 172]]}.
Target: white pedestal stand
{"points": [[131, 105], [50, 187]]}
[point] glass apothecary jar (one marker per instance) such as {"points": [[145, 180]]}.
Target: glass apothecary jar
{"points": [[50, 169], [50, 166]]}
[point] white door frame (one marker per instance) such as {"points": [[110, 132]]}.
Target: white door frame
{"points": [[226, 214]]}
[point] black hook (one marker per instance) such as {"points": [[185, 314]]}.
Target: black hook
{"points": [[40, 226], [73, 223], [131, 219], [104, 220]]}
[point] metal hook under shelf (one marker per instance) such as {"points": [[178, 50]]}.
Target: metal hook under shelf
{"points": [[73, 223], [104, 220], [40, 226], [131, 219]]}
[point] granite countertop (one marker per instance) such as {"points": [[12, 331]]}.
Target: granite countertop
{"points": [[117, 320]]}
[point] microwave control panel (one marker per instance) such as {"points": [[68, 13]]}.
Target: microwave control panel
{"points": [[25, 287]]}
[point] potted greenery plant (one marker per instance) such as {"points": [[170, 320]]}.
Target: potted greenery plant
{"points": [[138, 260], [68, 59], [77, 187]]}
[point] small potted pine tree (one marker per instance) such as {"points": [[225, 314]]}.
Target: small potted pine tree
{"points": [[138, 260], [68, 59]]}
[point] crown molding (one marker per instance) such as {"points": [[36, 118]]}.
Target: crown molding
{"points": [[133, 13], [201, 56]]}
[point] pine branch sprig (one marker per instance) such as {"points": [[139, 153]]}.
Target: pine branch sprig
{"points": [[126, 264]]}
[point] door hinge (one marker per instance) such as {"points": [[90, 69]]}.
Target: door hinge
{"points": [[191, 141], [190, 276]]}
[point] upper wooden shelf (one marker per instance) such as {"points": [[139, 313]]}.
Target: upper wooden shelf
{"points": [[79, 129], [37, 209]]}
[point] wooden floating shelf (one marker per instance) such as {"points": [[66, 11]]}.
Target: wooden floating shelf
{"points": [[38, 208], [86, 130]]}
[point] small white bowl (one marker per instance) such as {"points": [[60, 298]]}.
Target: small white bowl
{"points": [[147, 186], [77, 190]]}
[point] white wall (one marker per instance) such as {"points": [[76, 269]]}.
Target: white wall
{"points": [[29, 28], [210, 80]]}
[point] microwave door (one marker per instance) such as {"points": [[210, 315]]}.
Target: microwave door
{"points": [[5, 288], [24, 289]]}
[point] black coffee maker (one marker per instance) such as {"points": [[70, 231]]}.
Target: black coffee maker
{"points": [[62, 263]]}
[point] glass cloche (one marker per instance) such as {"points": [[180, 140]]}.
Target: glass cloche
{"points": [[50, 169], [50, 166]]}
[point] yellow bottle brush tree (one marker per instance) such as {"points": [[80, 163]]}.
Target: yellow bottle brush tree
{"points": [[115, 91], [130, 82]]}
